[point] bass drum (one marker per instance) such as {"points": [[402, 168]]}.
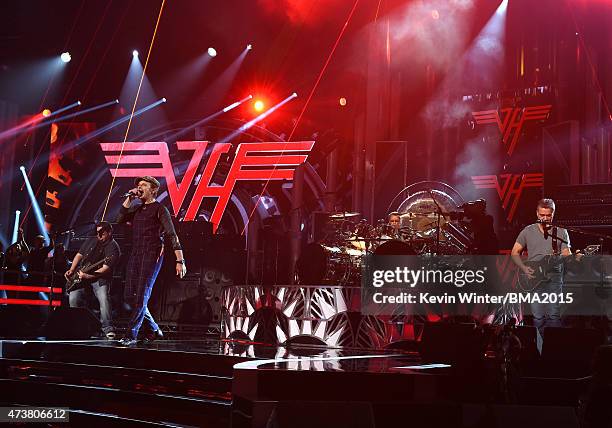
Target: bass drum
{"points": [[395, 248], [321, 264]]}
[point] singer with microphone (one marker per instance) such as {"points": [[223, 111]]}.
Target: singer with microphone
{"points": [[151, 227], [546, 246]]}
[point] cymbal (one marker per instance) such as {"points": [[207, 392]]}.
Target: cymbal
{"points": [[344, 215], [430, 214], [357, 239]]}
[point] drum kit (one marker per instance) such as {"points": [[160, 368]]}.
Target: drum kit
{"points": [[432, 222], [426, 227]]}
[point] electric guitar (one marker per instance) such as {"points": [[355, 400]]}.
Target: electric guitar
{"points": [[73, 282], [542, 269]]}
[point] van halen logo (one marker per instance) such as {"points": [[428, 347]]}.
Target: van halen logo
{"points": [[253, 161], [511, 121], [509, 187]]}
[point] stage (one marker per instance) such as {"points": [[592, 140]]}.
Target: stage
{"points": [[239, 384], [286, 213]]}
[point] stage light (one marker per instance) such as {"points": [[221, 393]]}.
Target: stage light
{"points": [[46, 112], [40, 218], [249, 47], [342, 101], [258, 105], [16, 227], [212, 52], [164, 100], [257, 119], [435, 14], [134, 53], [65, 57]]}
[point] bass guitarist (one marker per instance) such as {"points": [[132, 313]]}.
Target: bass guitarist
{"points": [[547, 246], [101, 247]]}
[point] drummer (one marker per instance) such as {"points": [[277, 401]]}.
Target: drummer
{"points": [[394, 223]]}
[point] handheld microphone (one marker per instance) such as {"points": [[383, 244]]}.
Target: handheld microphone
{"points": [[128, 194]]}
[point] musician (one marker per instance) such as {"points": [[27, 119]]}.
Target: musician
{"points": [[394, 221], [92, 251], [39, 252], [15, 255], [150, 221], [541, 239]]}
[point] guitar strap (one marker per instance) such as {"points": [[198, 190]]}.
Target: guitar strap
{"points": [[555, 242]]}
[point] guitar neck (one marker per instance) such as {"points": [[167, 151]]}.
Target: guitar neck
{"points": [[94, 266]]}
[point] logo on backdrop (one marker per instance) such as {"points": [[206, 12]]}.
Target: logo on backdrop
{"points": [[509, 187], [511, 120], [253, 161]]}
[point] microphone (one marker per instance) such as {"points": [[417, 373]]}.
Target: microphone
{"points": [[128, 194], [545, 225]]}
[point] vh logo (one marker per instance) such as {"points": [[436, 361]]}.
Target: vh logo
{"points": [[509, 187], [253, 161], [511, 120]]}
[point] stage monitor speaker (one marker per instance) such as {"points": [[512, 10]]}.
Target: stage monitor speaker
{"points": [[571, 344], [452, 343], [321, 414], [19, 321], [72, 323]]}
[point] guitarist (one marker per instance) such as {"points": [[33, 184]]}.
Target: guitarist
{"points": [[543, 240], [93, 250]]}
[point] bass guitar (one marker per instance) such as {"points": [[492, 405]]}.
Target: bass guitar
{"points": [[73, 282]]}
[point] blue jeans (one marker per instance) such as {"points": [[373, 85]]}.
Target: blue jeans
{"points": [[140, 311], [101, 289], [547, 314]]}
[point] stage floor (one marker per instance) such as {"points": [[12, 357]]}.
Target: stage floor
{"points": [[216, 382]]}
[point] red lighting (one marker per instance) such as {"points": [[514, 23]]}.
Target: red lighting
{"points": [[435, 14], [342, 101]]}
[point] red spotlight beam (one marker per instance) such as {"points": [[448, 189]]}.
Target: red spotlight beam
{"points": [[312, 91]]}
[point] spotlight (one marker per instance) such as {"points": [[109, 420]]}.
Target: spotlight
{"points": [[259, 105], [134, 53], [342, 101], [22, 168], [294, 94], [46, 112], [65, 57], [249, 47], [79, 103], [212, 52], [164, 100], [435, 14]]}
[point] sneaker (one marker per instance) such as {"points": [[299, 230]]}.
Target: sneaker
{"points": [[128, 341], [151, 337], [110, 335]]}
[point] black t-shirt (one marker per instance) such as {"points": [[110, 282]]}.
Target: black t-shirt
{"points": [[93, 251]]}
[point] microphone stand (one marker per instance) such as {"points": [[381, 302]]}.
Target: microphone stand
{"points": [[52, 282], [440, 213]]}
